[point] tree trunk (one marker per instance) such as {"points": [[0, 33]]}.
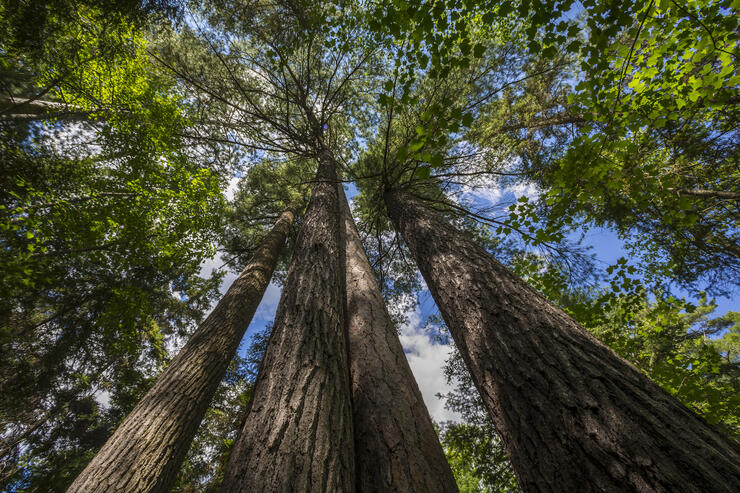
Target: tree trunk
{"points": [[396, 447], [574, 416], [298, 431], [13, 108], [146, 450]]}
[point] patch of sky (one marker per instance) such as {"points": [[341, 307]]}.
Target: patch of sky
{"points": [[604, 243]]}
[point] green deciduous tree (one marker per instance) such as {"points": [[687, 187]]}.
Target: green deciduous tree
{"points": [[119, 125], [104, 215], [690, 354]]}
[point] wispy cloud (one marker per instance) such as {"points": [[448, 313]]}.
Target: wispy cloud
{"points": [[427, 359]]}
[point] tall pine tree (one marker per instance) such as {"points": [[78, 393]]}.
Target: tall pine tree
{"points": [[298, 431], [574, 416]]}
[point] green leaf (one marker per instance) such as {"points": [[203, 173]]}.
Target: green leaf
{"points": [[416, 145], [423, 172]]}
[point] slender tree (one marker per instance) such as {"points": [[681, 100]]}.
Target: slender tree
{"points": [[573, 415], [145, 452], [298, 432], [396, 447]]}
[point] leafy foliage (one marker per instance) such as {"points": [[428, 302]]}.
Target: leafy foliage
{"points": [[103, 217], [267, 189], [692, 356], [640, 132], [119, 127]]}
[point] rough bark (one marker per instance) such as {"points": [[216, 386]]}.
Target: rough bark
{"points": [[146, 450], [574, 416], [298, 432], [396, 447]]}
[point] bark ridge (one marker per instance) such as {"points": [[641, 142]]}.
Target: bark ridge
{"points": [[574, 416], [396, 446], [146, 451], [298, 432]]}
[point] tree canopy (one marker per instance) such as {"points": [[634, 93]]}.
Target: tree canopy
{"points": [[527, 124]]}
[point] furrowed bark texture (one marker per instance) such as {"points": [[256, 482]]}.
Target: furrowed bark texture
{"points": [[396, 447], [573, 414], [146, 450], [298, 431]]}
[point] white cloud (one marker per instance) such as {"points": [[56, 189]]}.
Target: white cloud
{"points": [[215, 263], [427, 359], [489, 191], [523, 189], [103, 398], [231, 188], [268, 305], [485, 188]]}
